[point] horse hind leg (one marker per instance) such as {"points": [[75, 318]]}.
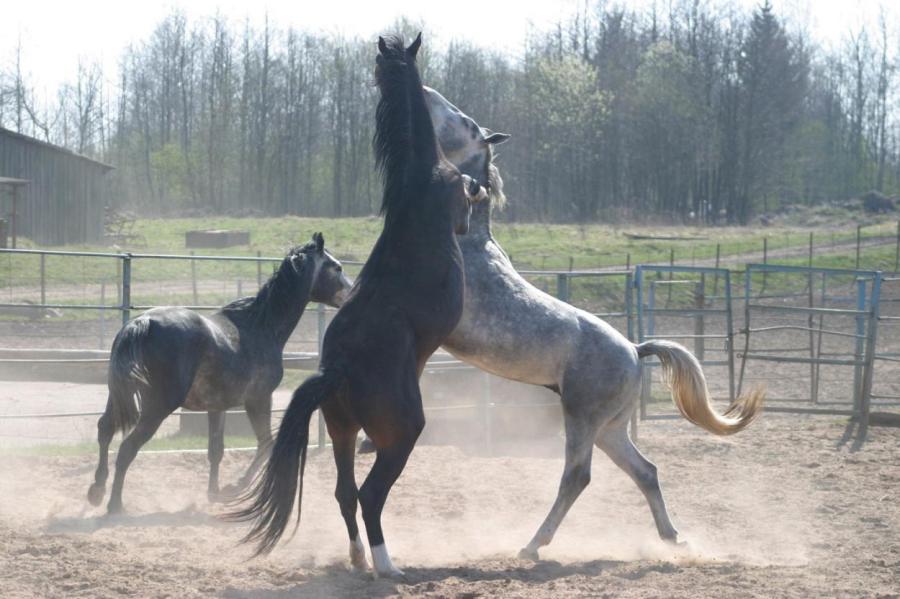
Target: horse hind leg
{"points": [[215, 450], [146, 427], [347, 494], [621, 450], [576, 476], [389, 463], [105, 432]]}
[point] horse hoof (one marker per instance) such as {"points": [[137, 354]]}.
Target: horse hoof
{"points": [[394, 573], [529, 554], [359, 566], [114, 509], [96, 493], [366, 446]]}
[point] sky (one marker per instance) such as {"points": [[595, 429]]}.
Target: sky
{"points": [[55, 35]]}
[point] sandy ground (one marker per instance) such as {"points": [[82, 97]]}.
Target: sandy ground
{"points": [[786, 509]]}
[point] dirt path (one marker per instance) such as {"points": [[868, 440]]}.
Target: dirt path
{"points": [[782, 510]]}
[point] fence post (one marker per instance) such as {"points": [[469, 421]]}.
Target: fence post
{"points": [[671, 274], [860, 336], [811, 248], [858, 240], [102, 312], [813, 358], [562, 287], [43, 279], [647, 376], [869, 372], [259, 268], [126, 289], [118, 282], [487, 419], [320, 313], [729, 323], [571, 263], [716, 280], [699, 325], [897, 250], [194, 280], [628, 255]]}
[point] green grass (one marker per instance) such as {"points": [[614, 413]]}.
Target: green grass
{"points": [[532, 246]]}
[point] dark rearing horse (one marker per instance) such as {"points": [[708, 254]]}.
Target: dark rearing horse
{"points": [[407, 299], [173, 357]]}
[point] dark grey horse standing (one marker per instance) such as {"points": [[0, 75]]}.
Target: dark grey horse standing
{"points": [[516, 331], [170, 358]]}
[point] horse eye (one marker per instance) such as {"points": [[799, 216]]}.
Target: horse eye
{"points": [[339, 268], [473, 187]]}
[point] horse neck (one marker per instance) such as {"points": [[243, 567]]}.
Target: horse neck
{"points": [[405, 143], [282, 305], [480, 221]]}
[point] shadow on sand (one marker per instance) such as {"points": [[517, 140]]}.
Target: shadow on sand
{"points": [[337, 581], [189, 516]]}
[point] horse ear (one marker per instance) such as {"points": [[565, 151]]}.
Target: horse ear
{"points": [[297, 262], [320, 242], [382, 45], [495, 139], [414, 47]]}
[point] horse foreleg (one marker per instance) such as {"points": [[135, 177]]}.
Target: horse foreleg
{"points": [[105, 433], [389, 463], [618, 446], [576, 476], [145, 429], [215, 449]]}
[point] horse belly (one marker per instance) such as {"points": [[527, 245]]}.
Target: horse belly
{"points": [[212, 390], [505, 355]]}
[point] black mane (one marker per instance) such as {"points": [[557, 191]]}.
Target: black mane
{"points": [[276, 298], [405, 145]]}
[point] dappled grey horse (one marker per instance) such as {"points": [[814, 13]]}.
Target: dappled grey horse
{"points": [[516, 331], [170, 358]]}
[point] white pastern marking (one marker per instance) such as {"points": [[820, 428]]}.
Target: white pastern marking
{"points": [[383, 564], [358, 554]]}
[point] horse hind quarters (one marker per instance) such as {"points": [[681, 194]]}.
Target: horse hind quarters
{"points": [[684, 376]]}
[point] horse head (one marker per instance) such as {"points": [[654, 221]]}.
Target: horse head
{"points": [[329, 283], [467, 145]]}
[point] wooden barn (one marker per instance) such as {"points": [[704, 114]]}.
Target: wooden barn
{"points": [[59, 196]]}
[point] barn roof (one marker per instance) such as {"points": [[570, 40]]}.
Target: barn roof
{"points": [[54, 148]]}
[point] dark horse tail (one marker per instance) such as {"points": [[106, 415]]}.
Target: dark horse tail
{"points": [[127, 374], [272, 495]]}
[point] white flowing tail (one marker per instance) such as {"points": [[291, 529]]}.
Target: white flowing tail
{"points": [[684, 376]]}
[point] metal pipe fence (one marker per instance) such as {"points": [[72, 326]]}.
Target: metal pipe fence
{"points": [[571, 286], [692, 304], [686, 298]]}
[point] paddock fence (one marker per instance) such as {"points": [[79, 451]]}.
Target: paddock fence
{"points": [[59, 312]]}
